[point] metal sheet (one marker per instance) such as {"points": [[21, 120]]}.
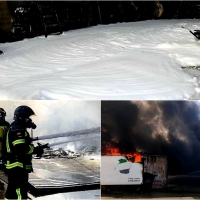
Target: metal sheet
{"points": [[117, 170], [63, 172]]}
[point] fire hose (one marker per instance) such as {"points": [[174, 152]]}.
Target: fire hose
{"points": [[47, 145], [68, 134]]}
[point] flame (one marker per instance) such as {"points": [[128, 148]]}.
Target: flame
{"points": [[113, 151]]}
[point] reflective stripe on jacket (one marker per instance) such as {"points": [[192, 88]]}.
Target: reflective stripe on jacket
{"points": [[19, 148]]}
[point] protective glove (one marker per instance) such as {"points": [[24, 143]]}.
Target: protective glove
{"points": [[38, 150]]}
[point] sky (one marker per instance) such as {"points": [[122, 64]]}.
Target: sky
{"points": [[54, 117], [125, 61], [167, 128]]}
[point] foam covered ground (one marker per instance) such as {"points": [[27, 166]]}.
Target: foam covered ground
{"points": [[132, 61]]}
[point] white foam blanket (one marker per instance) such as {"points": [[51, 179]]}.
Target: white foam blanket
{"points": [[132, 61]]}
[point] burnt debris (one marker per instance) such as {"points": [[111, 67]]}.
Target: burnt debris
{"points": [[61, 153]]}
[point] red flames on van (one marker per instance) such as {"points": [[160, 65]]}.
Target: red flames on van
{"points": [[113, 151]]}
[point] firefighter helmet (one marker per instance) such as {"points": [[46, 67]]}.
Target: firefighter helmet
{"points": [[2, 113], [23, 112]]}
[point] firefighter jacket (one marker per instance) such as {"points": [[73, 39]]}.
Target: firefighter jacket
{"points": [[19, 148], [4, 126]]}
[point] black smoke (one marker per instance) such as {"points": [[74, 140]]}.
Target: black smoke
{"points": [[170, 128]]}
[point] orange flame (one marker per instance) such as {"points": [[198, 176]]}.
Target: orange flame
{"points": [[133, 157]]}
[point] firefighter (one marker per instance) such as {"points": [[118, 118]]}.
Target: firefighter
{"points": [[4, 126], [19, 150]]}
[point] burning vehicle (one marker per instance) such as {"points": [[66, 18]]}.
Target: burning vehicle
{"points": [[133, 169], [166, 133]]}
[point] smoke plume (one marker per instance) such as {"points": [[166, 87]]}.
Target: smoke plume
{"points": [[170, 128]]}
